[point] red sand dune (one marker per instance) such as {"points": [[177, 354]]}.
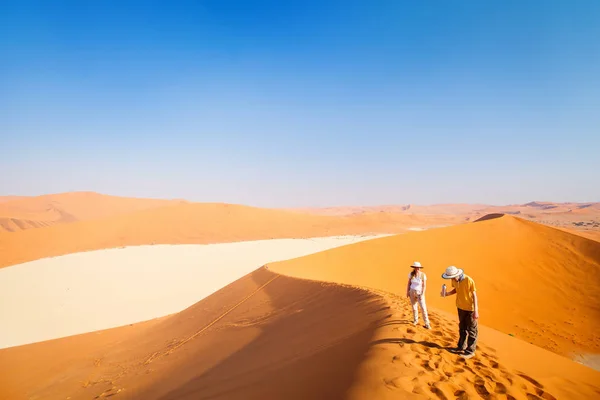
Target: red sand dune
{"points": [[21, 213], [272, 336], [536, 282], [191, 223]]}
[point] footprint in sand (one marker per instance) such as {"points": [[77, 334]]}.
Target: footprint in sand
{"points": [[461, 395], [482, 391], [500, 388], [545, 395], [439, 394], [531, 380], [531, 396], [425, 364]]}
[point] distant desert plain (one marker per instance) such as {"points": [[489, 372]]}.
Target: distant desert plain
{"points": [[125, 298]]}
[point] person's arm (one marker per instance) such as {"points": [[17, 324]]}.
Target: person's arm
{"points": [[408, 288], [476, 313], [424, 285], [450, 293]]}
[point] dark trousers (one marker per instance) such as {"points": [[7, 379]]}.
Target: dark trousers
{"points": [[467, 328]]}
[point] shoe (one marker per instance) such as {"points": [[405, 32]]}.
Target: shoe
{"points": [[456, 350], [427, 326], [468, 355], [415, 322]]}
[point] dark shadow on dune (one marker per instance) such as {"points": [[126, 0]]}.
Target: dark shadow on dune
{"points": [[489, 216], [309, 348]]}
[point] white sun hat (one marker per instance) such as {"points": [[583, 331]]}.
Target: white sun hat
{"points": [[452, 272], [416, 264]]}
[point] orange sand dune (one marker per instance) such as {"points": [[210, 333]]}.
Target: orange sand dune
{"points": [[268, 336], [437, 209], [263, 336], [189, 223], [4, 199], [583, 217], [534, 208], [538, 283], [34, 212]]}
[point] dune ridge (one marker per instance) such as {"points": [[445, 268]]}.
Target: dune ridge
{"points": [[515, 264], [263, 336], [272, 336]]}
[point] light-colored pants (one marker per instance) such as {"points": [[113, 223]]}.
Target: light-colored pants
{"points": [[417, 299]]}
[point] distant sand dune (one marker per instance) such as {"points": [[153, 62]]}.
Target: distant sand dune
{"points": [[19, 213], [193, 223]]}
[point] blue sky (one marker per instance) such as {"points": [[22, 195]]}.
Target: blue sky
{"points": [[302, 103]]}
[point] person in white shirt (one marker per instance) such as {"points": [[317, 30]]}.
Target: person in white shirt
{"points": [[415, 291]]}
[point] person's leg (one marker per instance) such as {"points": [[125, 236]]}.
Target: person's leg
{"points": [[472, 330], [413, 302], [462, 328], [424, 309]]}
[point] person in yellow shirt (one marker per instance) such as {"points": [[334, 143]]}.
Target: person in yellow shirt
{"points": [[468, 310]]}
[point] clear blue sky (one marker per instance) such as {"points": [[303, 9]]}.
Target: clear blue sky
{"points": [[302, 103]]}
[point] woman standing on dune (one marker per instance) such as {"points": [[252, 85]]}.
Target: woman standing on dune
{"points": [[415, 291]]}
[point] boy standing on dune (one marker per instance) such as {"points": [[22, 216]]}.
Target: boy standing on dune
{"points": [[468, 310]]}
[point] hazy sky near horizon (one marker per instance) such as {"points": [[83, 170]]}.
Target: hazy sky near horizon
{"points": [[302, 103]]}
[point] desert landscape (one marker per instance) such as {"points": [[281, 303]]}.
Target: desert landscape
{"points": [[159, 299], [312, 200]]}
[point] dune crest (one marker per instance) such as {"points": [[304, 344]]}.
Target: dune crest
{"points": [[271, 336], [263, 336], [535, 282], [489, 216]]}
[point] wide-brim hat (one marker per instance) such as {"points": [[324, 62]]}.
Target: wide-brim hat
{"points": [[416, 264], [452, 272]]}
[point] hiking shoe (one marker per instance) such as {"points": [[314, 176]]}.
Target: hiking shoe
{"points": [[456, 350], [468, 355], [427, 326]]}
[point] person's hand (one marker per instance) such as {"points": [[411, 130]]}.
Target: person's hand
{"points": [[476, 315], [407, 294]]}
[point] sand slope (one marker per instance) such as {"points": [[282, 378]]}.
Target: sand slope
{"points": [[270, 336], [18, 213], [539, 283], [263, 336], [188, 223]]}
